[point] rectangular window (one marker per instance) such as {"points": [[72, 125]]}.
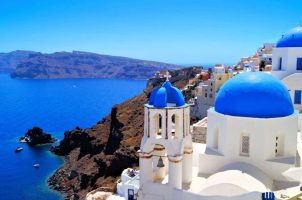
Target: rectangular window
{"points": [[216, 139], [299, 63], [280, 63], [245, 145], [279, 145], [297, 97]]}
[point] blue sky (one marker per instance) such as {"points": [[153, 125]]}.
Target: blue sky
{"points": [[174, 31]]}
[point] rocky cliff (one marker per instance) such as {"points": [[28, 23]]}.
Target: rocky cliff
{"points": [[9, 61], [95, 157], [86, 65], [36, 136]]}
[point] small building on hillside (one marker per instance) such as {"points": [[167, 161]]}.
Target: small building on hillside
{"points": [[266, 48], [206, 91]]}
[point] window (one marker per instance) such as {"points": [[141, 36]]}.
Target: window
{"points": [[206, 95], [211, 96], [279, 145], [245, 145], [299, 63], [157, 127], [297, 97], [216, 139], [280, 63]]}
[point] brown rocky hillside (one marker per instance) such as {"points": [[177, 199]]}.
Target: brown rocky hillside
{"points": [[95, 157]]}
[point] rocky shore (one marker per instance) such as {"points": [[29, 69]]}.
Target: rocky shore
{"points": [[36, 136], [95, 157]]}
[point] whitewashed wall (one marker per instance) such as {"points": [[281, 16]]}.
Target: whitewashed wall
{"points": [[262, 133]]}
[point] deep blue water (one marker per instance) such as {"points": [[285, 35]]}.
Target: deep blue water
{"points": [[55, 106]]}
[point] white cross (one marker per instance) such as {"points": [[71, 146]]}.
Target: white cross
{"points": [[167, 75]]}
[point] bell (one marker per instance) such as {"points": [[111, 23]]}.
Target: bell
{"points": [[160, 163]]}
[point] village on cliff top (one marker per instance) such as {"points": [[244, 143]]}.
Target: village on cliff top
{"points": [[245, 142]]}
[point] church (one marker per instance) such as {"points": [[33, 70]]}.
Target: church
{"points": [[287, 63], [253, 146], [252, 143]]}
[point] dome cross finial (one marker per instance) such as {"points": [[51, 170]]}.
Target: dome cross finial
{"points": [[167, 75]]}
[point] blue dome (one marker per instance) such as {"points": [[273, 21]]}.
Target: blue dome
{"points": [[254, 94], [166, 94], [292, 38]]}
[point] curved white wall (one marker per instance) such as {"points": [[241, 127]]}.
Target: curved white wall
{"points": [[262, 143]]}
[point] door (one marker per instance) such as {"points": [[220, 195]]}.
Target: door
{"points": [[131, 195], [299, 63]]}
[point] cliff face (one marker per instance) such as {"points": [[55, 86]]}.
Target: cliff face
{"points": [[86, 65], [37, 136], [95, 157], [9, 61]]}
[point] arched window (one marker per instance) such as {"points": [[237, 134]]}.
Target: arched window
{"points": [[157, 124], [160, 164], [175, 126]]}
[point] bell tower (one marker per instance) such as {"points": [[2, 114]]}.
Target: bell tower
{"points": [[165, 154]]}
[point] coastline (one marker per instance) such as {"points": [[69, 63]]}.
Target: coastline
{"points": [[96, 156]]}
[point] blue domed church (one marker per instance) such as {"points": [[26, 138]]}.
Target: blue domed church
{"points": [[251, 147], [287, 64], [252, 131]]}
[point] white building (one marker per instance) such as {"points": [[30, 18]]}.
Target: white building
{"points": [[287, 64], [253, 128], [252, 144], [266, 48], [129, 183], [267, 58], [166, 148], [206, 91]]}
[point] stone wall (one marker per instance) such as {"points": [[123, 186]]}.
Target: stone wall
{"points": [[199, 134]]}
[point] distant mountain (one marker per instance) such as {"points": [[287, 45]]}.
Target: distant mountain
{"points": [[86, 65], [9, 61]]}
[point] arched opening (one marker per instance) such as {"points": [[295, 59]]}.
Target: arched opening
{"points": [[175, 126], [158, 125], [160, 164]]}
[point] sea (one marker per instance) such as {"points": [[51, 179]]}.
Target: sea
{"points": [[56, 106]]}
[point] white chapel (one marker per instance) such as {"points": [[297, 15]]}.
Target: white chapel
{"points": [[287, 63], [253, 145]]}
